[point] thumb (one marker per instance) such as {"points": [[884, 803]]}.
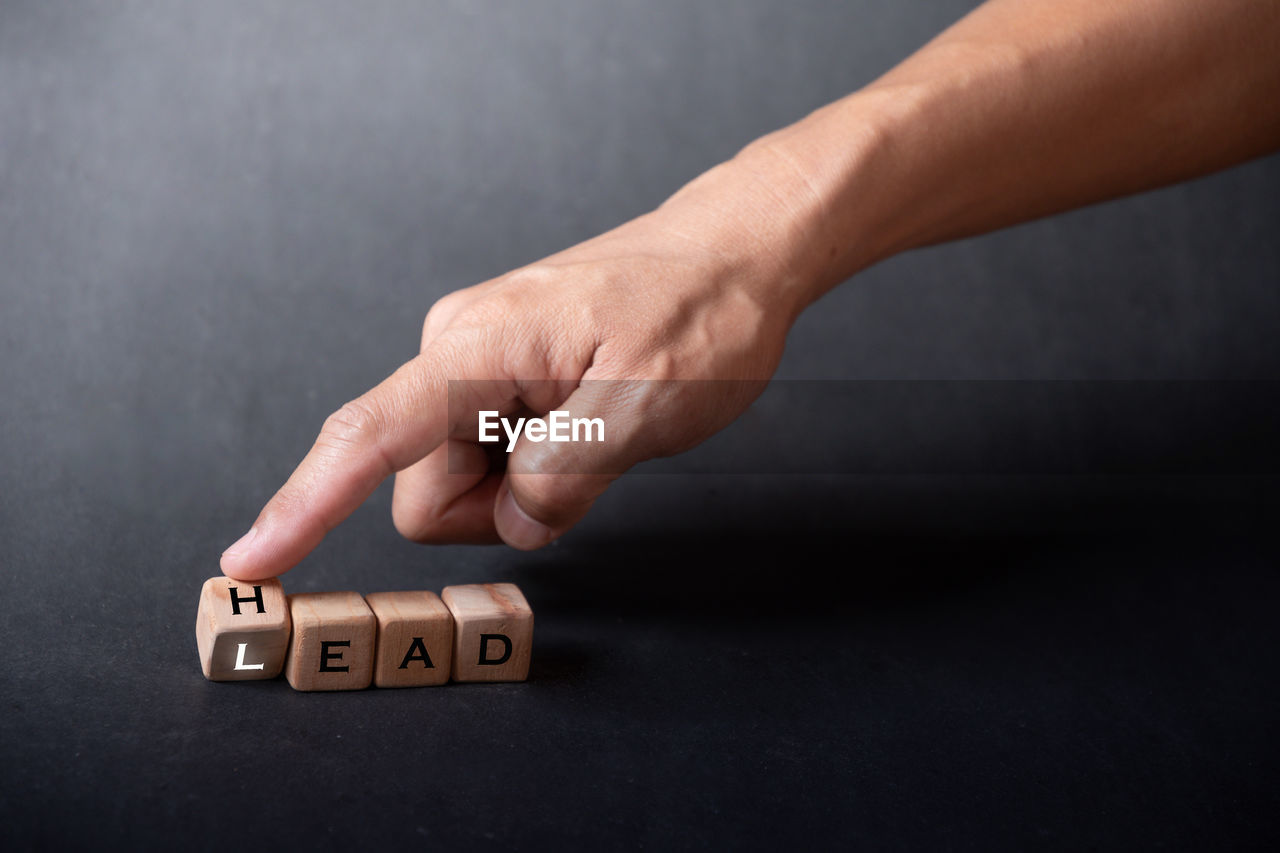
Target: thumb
{"points": [[556, 472]]}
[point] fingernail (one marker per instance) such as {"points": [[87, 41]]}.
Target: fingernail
{"points": [[242, 544], [517, 528]]}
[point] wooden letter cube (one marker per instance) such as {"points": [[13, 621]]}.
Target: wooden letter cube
{"points": [[242, 629], [493, 632], [415, 639], [332, 647]]}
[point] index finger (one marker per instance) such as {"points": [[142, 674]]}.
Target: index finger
{"points": [[390, 427]]}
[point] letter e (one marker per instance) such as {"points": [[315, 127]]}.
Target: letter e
{"points": [[326, 656]]}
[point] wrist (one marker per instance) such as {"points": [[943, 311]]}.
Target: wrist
{"points": [[807, 206], [759, 224], [864, 197]]}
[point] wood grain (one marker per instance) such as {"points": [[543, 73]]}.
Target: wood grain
{"points": [[242, 629], [493, 632], [332, 646], [414, 645]]}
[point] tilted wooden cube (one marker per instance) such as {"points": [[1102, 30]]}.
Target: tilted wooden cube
{"points": [[332, 646], [242, 629], [415, 639], [493, 632]]}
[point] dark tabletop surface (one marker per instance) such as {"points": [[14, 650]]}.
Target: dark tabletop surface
{"points": [[218, 222]]}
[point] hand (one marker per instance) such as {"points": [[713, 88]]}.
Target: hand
{"points": [[700, 289], [1020, 110]]}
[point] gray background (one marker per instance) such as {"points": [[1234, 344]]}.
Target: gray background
{"points": [[220, 221]]}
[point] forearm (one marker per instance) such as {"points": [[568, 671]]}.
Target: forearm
{"points": [[1022, 109]]}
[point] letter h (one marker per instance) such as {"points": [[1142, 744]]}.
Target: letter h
{"points": [[236, 600]]}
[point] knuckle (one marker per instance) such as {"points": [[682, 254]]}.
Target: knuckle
{"points": [[356, 423], [501, 306], [441, 314], [490, 314], [414, 525], [534, 275]]}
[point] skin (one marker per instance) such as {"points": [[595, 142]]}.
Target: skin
{"points": [[1022, 109]]}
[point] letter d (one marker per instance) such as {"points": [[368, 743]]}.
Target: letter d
{"points": [[485, 660]]}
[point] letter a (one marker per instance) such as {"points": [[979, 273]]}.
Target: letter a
{"points": [[417, 651]]}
